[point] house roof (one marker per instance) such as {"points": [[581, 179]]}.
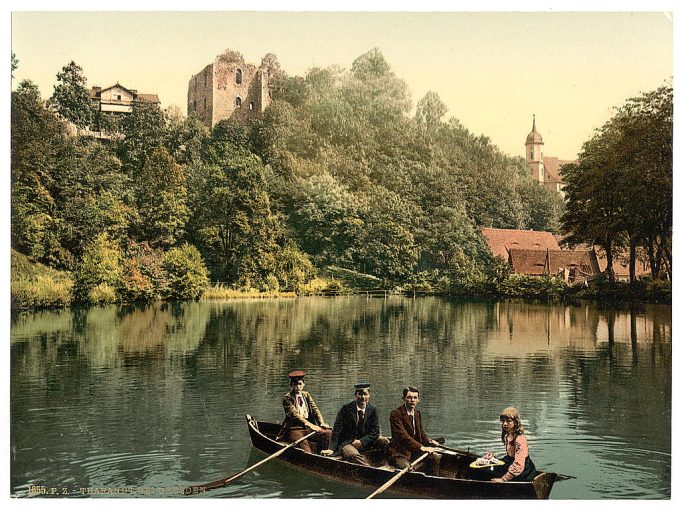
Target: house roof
{"points": [[552, 168], [553, 262], [148, 98], [501, 240], [96, 93], [528, 261], [620, 265]]}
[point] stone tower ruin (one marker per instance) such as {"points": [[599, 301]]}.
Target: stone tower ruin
{"points": [[230, 88]]}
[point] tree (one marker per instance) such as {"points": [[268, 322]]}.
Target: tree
{"points": [[592, 213], [232, 222], [92, 196], [187, 276], [544, 206], [144, 130], [37, 138], [99, 274], [326, 217], [185, 139], [619, 195], [161, 195], [643, 144], [386, 244], [71, 96], [430, 110]]}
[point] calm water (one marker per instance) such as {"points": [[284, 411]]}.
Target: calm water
{"points": [[150, 399]]}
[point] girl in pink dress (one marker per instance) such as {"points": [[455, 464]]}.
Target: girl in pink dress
{"points": [[518, 466]]}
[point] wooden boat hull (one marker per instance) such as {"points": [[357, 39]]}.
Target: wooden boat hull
{"points": [[453, 483]]}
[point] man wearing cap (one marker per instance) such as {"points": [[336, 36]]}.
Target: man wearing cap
{"points": [[356, 428], [409, 440], [303, 416]]}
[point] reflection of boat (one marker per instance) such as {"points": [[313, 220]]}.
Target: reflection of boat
{"points": [[455, 480]]}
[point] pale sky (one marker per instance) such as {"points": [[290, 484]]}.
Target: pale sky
{"points": [[492, 69]]}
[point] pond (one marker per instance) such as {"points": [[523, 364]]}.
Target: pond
{"points": [[143, 401]]}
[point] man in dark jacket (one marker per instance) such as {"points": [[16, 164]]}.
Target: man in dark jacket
{"points": [[356, 428], [409, 440], [303, 416]]}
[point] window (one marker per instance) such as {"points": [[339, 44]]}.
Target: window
{"points": [[195, 108], [239, 76], [238, 102], [532, 154], [205, 103], [118, 97], [251, 106]]}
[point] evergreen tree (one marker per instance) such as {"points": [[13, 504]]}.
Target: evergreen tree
{"points": [[71, 97]]}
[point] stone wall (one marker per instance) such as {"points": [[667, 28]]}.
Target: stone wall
{"points": [[228, 89]]}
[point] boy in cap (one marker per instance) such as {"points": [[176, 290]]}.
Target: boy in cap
{"points": [[303, 416], [356, 428]]}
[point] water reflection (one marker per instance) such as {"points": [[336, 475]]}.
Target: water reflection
{"points": [[155, 395]]}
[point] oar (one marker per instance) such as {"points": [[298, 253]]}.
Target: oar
{"points": [[397, 476], [223, 482]]}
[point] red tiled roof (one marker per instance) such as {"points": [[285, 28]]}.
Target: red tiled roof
{"points": [[501, 240], [620, 266], [582, 264], [552, 168], [528, 261]]}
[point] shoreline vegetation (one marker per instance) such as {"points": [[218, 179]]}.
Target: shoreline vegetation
{"points": [[339, 186], [35, 286]]}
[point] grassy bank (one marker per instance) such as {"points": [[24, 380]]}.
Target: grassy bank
{"points": [[220, 292], [34, 285]]}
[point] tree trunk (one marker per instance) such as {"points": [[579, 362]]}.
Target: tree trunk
{"points": [[631, 262], [609, 271], [654, 262]]}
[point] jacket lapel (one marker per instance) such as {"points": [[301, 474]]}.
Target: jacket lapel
{"points": [[406, 419]]}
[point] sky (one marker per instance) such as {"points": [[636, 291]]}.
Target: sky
{"points": [[493, 70]]}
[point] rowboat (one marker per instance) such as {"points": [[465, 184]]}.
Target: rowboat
{"points": [[457, 480]]}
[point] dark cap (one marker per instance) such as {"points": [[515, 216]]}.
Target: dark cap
{"points": [[296, 375], [361, 386]]}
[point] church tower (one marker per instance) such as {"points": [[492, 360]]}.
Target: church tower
{"points": [[534, 145]]}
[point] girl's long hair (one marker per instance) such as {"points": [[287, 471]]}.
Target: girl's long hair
{"points": [[513, 414]]}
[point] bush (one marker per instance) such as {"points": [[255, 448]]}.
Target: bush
{"points": [[530, 286], [101, 264], [272, 283], [187, 275], [144, 278], [102, 294]]}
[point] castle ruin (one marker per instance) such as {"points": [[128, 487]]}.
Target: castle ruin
{"points": [[230, 88]]}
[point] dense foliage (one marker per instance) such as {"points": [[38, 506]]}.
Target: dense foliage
{"points": [[339, 171], [620, 194]]}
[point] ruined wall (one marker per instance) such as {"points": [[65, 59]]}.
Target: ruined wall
{"points": [[228, 88], [200, 95]]}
